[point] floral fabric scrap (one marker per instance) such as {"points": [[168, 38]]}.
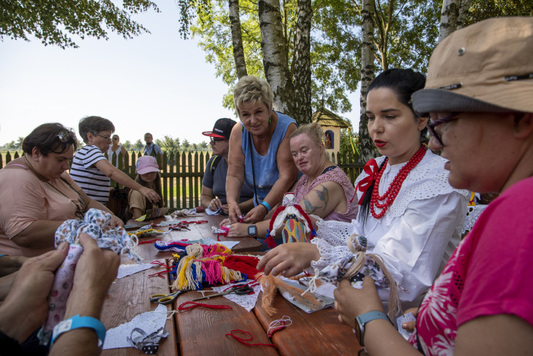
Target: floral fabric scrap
{"points": [[94, 224]]}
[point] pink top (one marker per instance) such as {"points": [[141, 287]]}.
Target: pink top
{"points": [[26, 199], [488, 274], [338, 176]]}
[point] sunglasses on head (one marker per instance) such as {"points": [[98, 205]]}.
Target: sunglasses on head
{"points": [[66, 136]]}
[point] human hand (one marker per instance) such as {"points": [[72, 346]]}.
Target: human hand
{"points": [[238, 230], [289, 259], [225, 222], [11, 264], [26, 306], [234, 212], [410, 325], [95, 271], [225, 208], [215, 204], [256, 214], [115, 221], [150, 194], [351, 302]]}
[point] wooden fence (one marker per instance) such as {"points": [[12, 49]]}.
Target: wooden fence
{"points": [[182, 173]]}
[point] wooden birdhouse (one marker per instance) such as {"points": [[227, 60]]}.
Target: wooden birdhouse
{"points": [[331, 125]]}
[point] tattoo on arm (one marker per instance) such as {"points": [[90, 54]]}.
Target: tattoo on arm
{"points": [[322, 195], [308, 207]]}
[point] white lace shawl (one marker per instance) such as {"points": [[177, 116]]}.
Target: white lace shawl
{"points": [[424, 221]]}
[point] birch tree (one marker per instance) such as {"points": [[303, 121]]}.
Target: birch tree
{"points": [[302, 64], [366, 147], [236, 37], [453, 16], [275, 54]]}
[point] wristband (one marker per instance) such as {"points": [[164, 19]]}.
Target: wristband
{"points": [[77, 322], [265, 204]]}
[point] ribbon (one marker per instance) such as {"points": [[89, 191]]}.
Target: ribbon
{"points": [[371, 169]]}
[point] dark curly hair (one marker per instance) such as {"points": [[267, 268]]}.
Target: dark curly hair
{"points": [[47, 138]]}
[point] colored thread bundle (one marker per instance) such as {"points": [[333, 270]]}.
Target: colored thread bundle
{"points": [[211, 265]]}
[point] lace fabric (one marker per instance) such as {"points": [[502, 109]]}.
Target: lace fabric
{"points": [[427, 180]]}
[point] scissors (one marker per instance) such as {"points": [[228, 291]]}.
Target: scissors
{"points": [[239, 290], [165, 298]]}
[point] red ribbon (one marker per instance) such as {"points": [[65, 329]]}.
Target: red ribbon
{"points": [[371, 169]]}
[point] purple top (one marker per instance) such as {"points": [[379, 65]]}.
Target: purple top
{"points": [[338, 176]]}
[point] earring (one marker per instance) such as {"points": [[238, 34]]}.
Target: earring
{"points": [[269, 121]]}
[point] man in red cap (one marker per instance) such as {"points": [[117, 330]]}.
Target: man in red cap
{"points": [[213, 194]]}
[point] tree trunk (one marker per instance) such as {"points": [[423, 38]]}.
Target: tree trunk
{"points": [[448, 18], [275, 57], [302, 64], [236, 36], [367, 75]]}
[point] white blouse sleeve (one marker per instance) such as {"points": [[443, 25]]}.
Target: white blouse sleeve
{"points": [[414, 246]]}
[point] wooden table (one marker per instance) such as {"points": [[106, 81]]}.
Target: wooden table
{"points": [[129, 296], [203, 331]]}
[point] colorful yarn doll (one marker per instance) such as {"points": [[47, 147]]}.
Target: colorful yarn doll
{"points": [[115, 239], [297, 226]]}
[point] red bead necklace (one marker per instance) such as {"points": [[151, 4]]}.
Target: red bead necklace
{"points": [[383, 202]]}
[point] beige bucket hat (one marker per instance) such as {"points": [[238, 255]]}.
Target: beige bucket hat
{"points": [[485, 67]]}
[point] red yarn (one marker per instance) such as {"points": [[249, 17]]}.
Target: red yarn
{"points": [[273, 331], [243, 264], [148, 241], [191, 305], [244, 341]]}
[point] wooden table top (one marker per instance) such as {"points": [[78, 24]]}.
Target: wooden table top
{"points": [[203, 331], [129, 296], [198, 231]]}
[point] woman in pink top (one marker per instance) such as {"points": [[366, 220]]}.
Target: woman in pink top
{"points": [[323, 190], [478, 94], [38, 195]]}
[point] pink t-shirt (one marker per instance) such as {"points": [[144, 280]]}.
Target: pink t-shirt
{"points": [[25, 199], [338, 176], [489, 273]]}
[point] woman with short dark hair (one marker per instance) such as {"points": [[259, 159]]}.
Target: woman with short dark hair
{"points": [[38, 194]]}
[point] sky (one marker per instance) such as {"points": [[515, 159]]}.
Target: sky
{"points": [[154, 83]]}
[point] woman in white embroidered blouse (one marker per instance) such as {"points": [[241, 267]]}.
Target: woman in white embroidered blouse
{"points": [[409, 213]]}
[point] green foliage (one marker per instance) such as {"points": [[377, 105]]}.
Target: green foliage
{"points": [[55, 21], [484, 9], [138, 145], [128, 145]]}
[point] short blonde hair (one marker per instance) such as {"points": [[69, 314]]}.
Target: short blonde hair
{"points": [[253, 89], [313, 130]]}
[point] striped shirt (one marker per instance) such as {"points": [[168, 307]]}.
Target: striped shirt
{"points": [[84, 172]]}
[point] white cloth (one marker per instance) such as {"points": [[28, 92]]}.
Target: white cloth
{"points": [[110, 154], [416, 235]]}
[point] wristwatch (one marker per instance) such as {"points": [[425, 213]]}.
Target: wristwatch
{"points": [[365, 318], [252, 231]]}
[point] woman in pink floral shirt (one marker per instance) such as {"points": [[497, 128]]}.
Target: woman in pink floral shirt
{"points": [[479, 94]]}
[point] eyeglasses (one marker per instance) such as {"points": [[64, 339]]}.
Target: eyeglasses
{"points": [[66, 136], [215, 140], [114, 138], [432, 124], [107, 138]]}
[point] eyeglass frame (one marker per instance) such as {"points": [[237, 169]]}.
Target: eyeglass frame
{"points": [[432, 124], [107, 138]]}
